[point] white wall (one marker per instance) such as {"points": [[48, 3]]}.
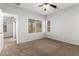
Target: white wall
{"points": [[9, 23], [23, 35], [1, 30], [65, 25]]}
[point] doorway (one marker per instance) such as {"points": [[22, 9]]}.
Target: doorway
{"points": [[9, 29]]}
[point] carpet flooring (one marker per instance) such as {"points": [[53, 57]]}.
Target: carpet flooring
{"points": [[41, 47]]}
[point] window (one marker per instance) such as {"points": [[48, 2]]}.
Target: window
{"points": [[4, 28], [34, 26], [48, 26]]}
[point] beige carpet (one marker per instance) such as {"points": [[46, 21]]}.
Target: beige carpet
{"points": [[41, 47]]}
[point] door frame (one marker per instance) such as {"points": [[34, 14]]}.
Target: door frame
{"points": [[14, 29], [16, 17], [1, 34]]}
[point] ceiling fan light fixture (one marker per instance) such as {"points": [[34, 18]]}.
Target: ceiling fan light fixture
{"points": [[45, 7]]}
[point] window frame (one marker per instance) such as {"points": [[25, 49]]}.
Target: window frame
{"points": [[35, 26], [48, 26]]}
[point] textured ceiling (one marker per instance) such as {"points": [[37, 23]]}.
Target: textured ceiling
{"points": [[34, 7]]}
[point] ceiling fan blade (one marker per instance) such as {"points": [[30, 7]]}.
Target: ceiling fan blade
{"points": [[40, 5], [54, 6]]}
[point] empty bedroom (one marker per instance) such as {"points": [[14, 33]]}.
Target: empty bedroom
{"points": [[39, 29]]}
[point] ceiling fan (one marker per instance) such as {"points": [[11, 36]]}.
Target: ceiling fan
{"points": [[46, 5]]}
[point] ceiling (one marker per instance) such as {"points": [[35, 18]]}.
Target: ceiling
{"points": [[34, 7]]}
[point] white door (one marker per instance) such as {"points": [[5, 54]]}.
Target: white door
{"points": [[1, 30]]}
